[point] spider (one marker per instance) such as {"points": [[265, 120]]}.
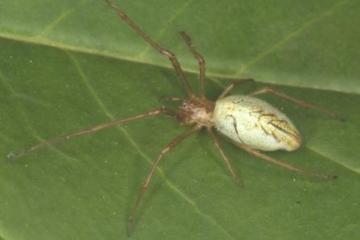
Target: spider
{"points": [[250, 123]]}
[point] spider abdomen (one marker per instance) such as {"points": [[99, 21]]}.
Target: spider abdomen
{"points": [[255, 123]]}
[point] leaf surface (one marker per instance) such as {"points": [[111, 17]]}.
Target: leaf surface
{"points": [[68, 65]]}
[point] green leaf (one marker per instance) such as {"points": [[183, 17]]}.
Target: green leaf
{"points": [[69, 65]]}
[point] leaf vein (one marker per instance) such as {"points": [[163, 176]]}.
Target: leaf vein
{"points": [[142, 54], [290, 36], [322, 154], [24, 117], [47, 29]]}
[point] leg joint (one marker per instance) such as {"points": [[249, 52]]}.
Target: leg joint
{"points": [[167, 53], [200, 59], [165, 150]]}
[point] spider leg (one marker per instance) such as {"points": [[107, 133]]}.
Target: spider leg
{"points": [[86, 131], [200, 59], [299, 102], [172, 99], [165, 52], [154, 165], [232, 84], [227, 162], [284, 165]]}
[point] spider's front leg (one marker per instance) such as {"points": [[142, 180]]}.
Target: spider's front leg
{"points": [[163, 51], [86, 131]]}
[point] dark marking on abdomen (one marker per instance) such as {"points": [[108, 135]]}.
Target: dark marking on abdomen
{"points": [[235, 127]]}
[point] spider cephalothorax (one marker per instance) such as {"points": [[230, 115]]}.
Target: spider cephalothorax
{"points": [[196, 111]]}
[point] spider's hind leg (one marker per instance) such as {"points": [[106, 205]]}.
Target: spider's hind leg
{"points": [[232, 84], [284, 165], [297, 101]]}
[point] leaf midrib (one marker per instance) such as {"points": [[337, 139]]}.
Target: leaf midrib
{"points": [[215, 77]]}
